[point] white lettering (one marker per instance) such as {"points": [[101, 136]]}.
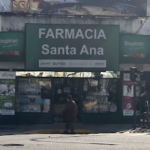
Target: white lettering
{"points": [[61, 49], [133, 44], [100, 51], [45, 49], [53, 51], [50, 34], [67, 48], [86, 34], [101, 34], [95, 33], [79, 34], [41, 31], [93, 49], [84, 50], [59, 32], [73, 51], [69, 35]]}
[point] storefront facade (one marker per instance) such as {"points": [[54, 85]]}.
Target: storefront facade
{"points": [[41, 100], [76, 48]]}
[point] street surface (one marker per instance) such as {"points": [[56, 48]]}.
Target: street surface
{"points": [[116, 141]]}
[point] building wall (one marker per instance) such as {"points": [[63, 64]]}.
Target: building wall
{"points": [[127, 26], [17, 23]]}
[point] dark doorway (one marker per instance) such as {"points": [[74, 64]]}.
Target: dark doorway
{"points": [[64, 87]]}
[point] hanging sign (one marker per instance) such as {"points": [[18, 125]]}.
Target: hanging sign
{"points": [[11, 46], [7, 75], [128, 94], [72, 47], [134, 49]]}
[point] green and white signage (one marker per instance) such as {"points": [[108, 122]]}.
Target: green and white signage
{"points": [[7, 96], [11, 46], [135, 49], [72, 47], [7, 105]]}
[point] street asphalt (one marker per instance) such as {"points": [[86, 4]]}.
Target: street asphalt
{"points": [[106, 141]]}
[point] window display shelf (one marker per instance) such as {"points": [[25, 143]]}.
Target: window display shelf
{"points": [[30, 94], [29, 104], [100, 99]]}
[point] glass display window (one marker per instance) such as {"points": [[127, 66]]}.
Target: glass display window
{"points": [[100, 95], [7, 96], [33, 95]]}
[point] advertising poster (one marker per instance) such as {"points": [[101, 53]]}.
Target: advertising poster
{"points": [[62, 47], [128, 98], [7, 87], [7, 105], [5, 5], [7, 102], [135, 49], [11, 46], [7, 97], [90, 7], [20, 5], [7, 93]]}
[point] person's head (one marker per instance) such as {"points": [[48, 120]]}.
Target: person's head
{"points": [[69, 98]]}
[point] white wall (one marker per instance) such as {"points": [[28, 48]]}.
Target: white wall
{"points": [[17, 23]]}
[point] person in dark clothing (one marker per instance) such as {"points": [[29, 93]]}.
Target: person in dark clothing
{"points": [[69, 114], [143, 102]]}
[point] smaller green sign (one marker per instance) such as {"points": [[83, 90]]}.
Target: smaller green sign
{"points": [[10, 82], [7, 102], [11, 46], [134, 49]]}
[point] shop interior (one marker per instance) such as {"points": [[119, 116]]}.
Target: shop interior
{"points": [[49, 95]]}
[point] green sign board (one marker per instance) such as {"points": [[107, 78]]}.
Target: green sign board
{"points": [[11, 46], [7, 102], [134, 49], [72, 47]]}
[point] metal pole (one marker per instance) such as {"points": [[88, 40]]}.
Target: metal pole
{"points": [[134, 105]]}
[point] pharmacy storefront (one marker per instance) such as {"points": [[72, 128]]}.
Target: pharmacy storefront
{"points": [[69, 48]]}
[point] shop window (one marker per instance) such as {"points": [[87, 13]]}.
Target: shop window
{"points": [[33, 95], [7, 97], [100, 95]]}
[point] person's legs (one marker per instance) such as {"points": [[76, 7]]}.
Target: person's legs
{"points": [[66, 128], [67, 125], [71, 127]]}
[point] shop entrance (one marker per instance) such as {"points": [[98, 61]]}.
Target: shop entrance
{"points": [[64, 87]]}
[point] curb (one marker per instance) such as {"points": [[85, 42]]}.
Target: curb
{"points": [[60, 131]]}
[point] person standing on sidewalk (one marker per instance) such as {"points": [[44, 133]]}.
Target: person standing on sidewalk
{"points": [[143, 102], [69, 114]]}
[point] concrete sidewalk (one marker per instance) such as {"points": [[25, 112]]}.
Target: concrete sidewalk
{"points": [[58, 128]]}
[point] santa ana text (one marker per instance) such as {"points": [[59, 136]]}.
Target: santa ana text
{"points": [[71, 51]]}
